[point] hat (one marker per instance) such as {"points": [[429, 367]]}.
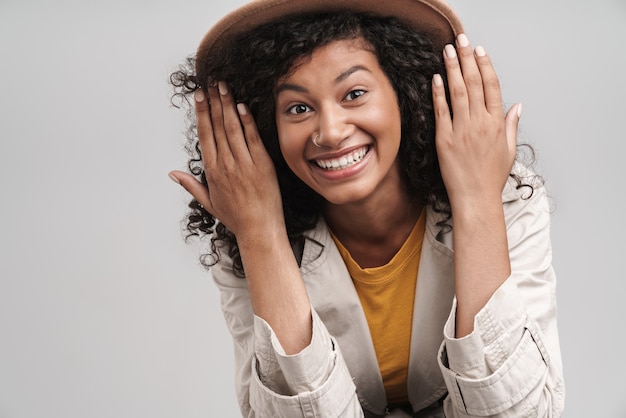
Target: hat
{"points": [[433, 17]]}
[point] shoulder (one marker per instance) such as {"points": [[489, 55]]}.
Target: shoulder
{"points": [[525, 196], [223, 271], [523, 184], [526, 206]]}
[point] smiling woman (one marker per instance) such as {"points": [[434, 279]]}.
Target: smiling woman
{"points": [[375, 254], [343, 100]]}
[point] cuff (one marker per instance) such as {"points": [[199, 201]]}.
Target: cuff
{"points": [[524, 371], [291, 374], [313, 382], [499, 363], [309, 368], [498, 328]]}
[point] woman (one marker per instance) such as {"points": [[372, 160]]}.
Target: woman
{"points": [[375, 254]]}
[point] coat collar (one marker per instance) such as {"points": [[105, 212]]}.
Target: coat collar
{"points": [[335, 300]]}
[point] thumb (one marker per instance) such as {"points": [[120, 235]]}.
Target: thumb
{"points": [[198, 190], [511, 122]]}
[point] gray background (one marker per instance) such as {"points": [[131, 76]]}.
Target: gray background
{"points": [[105, 311]]}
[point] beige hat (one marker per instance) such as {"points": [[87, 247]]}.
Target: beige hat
{"points": [[433, 17]]}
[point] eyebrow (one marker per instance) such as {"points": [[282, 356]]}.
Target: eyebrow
{"points": [[339, 79], [349, 72]]}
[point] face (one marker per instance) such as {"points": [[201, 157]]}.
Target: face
{"points": [[342, 95]]}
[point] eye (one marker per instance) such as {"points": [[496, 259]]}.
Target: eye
{"points": [[354, 94], [298, 109]]}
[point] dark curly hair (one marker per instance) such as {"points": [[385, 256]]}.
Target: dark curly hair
{"points": [[255, 61]]}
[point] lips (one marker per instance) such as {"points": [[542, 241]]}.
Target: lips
{"points": [[344, 161]]}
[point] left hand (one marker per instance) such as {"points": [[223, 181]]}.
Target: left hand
{"points": [[476, 145]]}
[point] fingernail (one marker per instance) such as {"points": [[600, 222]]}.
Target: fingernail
{"points": [[450, 51], [438, 80], [173, 178], [198, 95], [480, 51], [519, 110], [462, 40], [222, 88], [241, 108]]}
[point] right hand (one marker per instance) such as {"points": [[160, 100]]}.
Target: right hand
{"points": [[243, 191]]}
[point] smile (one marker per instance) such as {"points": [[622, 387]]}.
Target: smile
{"points": [[344, 161]]}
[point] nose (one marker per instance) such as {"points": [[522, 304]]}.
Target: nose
{"points": [[333, 127]]}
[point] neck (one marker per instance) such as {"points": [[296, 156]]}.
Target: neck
{"points": [[373, 231]]}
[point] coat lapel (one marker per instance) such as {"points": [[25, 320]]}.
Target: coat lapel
{"points": [[433, 301], [335, 300]]}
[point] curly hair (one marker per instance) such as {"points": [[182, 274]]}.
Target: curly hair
{"points": [[256, 60]]}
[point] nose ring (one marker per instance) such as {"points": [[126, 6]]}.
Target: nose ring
{"points": [[316, 138]]}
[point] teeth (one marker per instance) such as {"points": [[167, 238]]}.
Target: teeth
{"points": [[343, 162]]}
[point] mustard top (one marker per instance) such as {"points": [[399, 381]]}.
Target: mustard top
{"points": [[387, 294]]}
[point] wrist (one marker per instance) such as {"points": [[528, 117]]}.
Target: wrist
{"points": [[263, 237], [473, 210]]}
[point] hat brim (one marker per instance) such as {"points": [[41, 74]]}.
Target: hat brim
{"points": [[433, 17]]}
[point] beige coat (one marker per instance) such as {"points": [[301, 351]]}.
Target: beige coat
{"points": [[510, 366]]}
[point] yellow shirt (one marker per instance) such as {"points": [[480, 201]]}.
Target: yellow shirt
{"points": [[387, 294]]}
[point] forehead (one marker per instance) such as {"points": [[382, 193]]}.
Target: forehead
{"points": [[340, 49]]}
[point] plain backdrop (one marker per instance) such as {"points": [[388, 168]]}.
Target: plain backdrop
{"points": [[105, 311]]}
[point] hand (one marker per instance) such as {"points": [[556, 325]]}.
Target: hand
{"points": [[476, 145], [243, 190]]}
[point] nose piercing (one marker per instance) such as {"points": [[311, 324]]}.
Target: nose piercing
{"points": [[316, 138]]}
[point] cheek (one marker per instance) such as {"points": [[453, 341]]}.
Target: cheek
{"points": [[292, 150], [394, 120], [283, 142], [387, 127], [386, 114]]}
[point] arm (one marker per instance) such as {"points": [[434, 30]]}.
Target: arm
{"points": [[314, 382], [476, 150], [500, 356], [510, 365], [270, 318], [271, 383], [243, 194]]}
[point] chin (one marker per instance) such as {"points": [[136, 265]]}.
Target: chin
{"points": [[345, 198]]}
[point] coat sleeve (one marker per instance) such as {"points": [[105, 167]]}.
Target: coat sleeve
{"points": [[510, 365], [269, 383]]}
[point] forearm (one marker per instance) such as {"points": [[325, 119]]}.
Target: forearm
{"points": [[277, 291], [242, 191], [270, 382], [481, 258]]}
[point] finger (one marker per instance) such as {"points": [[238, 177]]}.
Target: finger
{"points": [[217, 120], [232, 124], [443, 120], [204, 127], [198, 190], [456, 84], [471, 74], [253, 139], [491, 84]]}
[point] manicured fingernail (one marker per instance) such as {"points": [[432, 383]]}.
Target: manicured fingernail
{"points": [[222, 88], [450, 51], [480, 51], [199, 95], [173, 178], [241, 108], [462, 40], [437, 80], [519, 110]]}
